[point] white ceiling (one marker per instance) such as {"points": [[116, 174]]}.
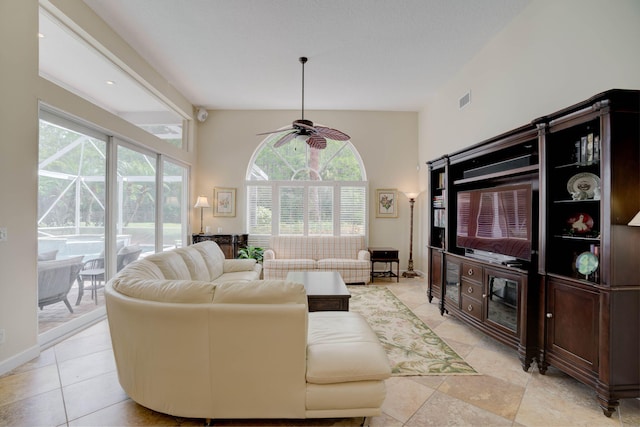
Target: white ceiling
{"points": [[363, 54]]}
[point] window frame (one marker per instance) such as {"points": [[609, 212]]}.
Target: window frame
{"points": [[261, 180]]}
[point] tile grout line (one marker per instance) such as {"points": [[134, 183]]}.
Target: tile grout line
{"points": [[64, 401]]}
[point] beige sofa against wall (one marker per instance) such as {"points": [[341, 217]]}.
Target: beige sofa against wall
{"points": [[347, 255], [190, 347]]}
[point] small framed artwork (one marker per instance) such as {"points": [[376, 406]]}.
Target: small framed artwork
{"points": [[387, 203], [224, 201]]}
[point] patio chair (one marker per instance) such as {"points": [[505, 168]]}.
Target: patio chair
{"points": [[127, 255], [93, 270], [55, 279]]}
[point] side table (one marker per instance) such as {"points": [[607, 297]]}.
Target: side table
{"points": [[388, 256]]}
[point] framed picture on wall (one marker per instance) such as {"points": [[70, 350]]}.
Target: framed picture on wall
{"points": [[387, 203], [224, 201]]}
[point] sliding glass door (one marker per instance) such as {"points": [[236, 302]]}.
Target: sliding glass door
{"points": [[71, 218], [102, 203], [136, 203], [174, 206]]}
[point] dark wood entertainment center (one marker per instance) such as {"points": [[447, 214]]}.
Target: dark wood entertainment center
{"points": [[575, 304]]}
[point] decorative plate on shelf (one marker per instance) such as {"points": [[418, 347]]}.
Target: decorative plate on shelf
{"points": [[580, 223], [586, 263], [583, 186]]}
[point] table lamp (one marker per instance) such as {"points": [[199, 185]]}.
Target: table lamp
{"points": [[202, 203]]}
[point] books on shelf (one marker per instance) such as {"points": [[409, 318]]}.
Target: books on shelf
{"points": [[439, 200], [587, 149], [439, 218]]}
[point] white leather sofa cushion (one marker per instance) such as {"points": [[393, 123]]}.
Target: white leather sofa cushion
{"points": [[178, 291], [344, 396], [260, 292], [142, 269], [195, 263], [235, 265], [238, 276], [171, 264], [213, 258], [342, 347]]}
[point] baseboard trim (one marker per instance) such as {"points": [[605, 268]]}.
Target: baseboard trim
{"points": [[19, 359], [62, 332]]}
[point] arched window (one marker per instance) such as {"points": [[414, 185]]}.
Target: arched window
{"points": [[298, 190]]}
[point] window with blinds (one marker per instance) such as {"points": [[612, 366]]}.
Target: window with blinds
{"points": [[298, 190]]}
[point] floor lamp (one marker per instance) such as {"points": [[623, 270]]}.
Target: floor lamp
{"points": [[410, 273], [202, 203]]}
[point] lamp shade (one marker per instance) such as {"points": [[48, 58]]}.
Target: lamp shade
{"points": [[202, 202], [635, 222], [411, 195]]}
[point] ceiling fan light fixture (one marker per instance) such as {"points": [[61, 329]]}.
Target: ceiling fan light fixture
{"points": [[315, 136]]}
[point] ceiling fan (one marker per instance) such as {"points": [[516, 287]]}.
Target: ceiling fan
{"points": [[316, 136]]}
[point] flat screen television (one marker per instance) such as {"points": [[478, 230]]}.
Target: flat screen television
{"points": [[496, 220]]}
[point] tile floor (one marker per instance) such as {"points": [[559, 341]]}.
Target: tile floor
{"points": [[74, 384]]}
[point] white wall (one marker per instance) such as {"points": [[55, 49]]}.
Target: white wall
{"points": [[18, 175], [386, 141], [554, 54]]}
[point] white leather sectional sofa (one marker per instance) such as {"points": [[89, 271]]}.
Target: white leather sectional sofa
{"points": [[190, 346], [347, 255]]}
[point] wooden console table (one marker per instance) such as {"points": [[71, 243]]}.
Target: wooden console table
{"points": [[229, 243], [386, 255]]}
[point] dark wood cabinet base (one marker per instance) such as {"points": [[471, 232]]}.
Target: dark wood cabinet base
{"points": [[229, 243]]}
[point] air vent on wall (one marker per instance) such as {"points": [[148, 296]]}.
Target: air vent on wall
{"points": [[464, 100]]}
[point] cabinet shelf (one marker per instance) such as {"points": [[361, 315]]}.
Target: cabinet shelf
{"points": [[577, 238], [571, 201], [577, 165], [502, 174]]}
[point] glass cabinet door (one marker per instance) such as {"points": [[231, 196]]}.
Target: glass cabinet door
{"points": [[452, 281], [502, 300]]}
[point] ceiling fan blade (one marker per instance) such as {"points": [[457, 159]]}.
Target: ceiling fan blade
{"points": [[284, 139], [317, 141], [334, 134], [275, 131]]}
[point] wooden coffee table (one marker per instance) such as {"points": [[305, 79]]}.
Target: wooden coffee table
{"points": [[326, 290]]}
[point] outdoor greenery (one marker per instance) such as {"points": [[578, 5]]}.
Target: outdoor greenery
{"points": [[72, 169]]}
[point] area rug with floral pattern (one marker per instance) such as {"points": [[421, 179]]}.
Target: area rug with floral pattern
{"points": [[411, 346]]}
